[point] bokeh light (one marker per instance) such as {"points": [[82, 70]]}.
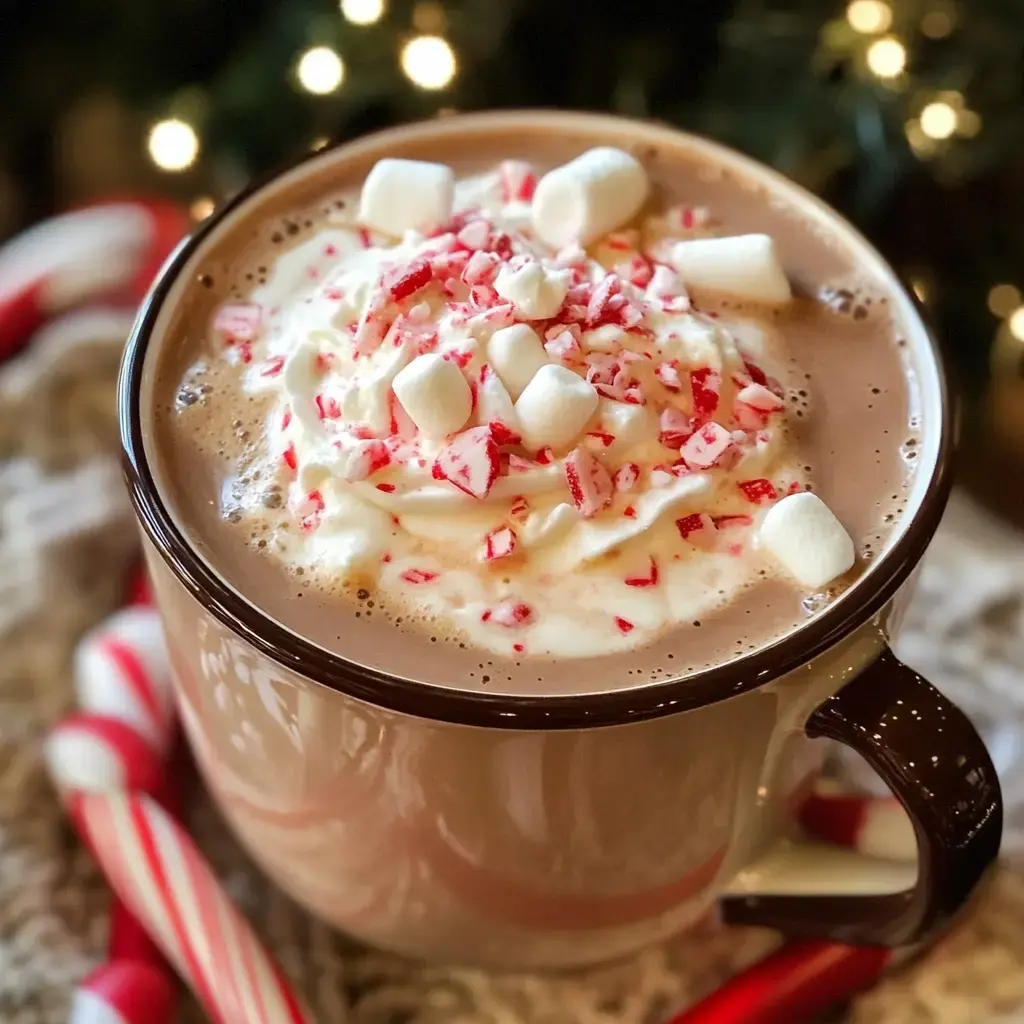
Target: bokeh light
{"points": [[1003, 299], [939, 120], [201, 208], [869, 16], [320, 70], [937, 24], [429, 62], [173, 145], [362, 12], [887, 57], [1016, 323]]}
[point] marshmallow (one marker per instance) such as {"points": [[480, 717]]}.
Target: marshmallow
{"points": [[435, 394], [588, 197], [516, 354], [746, 266], [399, 195], [555, 407], [803, 534], [535, 291]]}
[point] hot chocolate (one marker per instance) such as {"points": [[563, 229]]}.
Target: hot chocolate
{"points": [[408, 416]]}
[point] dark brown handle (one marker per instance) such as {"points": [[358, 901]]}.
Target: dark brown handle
{"points": [[930, 755]]}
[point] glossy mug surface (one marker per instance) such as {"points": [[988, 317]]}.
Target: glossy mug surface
{"points": [[559, 831]]}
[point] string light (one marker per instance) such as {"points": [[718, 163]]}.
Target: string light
{"points": [[429, 62], [1016, 323], [320, 70], [1003, 299], [869, 16], [201, 208], [429, 18], [887, 57], [173, 145], [362, 12], [939, 120]]}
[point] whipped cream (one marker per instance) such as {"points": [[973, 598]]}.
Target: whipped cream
{"points": [[542, 452]]}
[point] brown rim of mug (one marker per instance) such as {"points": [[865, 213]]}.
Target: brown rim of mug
{"points": [[422, 700]]}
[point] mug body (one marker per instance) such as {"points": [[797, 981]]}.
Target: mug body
{"points": [[488, 846]]}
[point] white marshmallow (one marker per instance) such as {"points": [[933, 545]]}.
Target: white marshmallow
{"points": [[402, 194], [810, 543], [516, 353], [586, 198], [746, 266], [535, 291], [435, 394], [555, 407]]}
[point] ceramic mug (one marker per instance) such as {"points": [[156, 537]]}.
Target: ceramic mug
{"points": [[556, 831]]}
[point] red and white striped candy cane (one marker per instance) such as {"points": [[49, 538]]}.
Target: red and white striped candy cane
{"points": [[875, 826], [156, 870], [122, 671], [124, 992]]}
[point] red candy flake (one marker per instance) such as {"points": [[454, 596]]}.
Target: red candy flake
{"points": [[758, 492], [624, 625], [310, 510], [245, 351], [602, 438], [563, 347], [755, 373], [510, 613], [406, 279], [238, 321], [590, 484], [699, 529], [650, 580], [731, 521], [386, 488], [668, 374], [705, 388], [274, 367], [460, 357], [288, 455], [469, 462], [334, 294], [372, 455], [675, 428], [517, 181], [545, 456], [754, 404], [499, 543], [520, 508], [795, 487], [286, 418], [621, 241], [481, 268], [518, 648], [708, 447], [327, 408], [502, 434], [629, 512], [518, 464], [626, 477], [638, 271], [475, 235], [330, 250], [365, 239], [417, 576]]}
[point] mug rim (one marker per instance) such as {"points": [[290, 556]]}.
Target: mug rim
{"points": [[510, 711]]}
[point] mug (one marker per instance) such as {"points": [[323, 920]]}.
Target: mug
{"points": [[558, 831]]}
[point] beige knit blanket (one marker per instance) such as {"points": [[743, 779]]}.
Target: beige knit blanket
{"points": [[64, 551]]}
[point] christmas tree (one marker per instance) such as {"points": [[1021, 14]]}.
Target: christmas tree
{"points": [[902, 113]]}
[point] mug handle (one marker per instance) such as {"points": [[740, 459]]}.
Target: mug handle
{"points": [[931, 757]]}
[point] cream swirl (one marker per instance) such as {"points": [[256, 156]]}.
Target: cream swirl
{"points": [[667, 435]]}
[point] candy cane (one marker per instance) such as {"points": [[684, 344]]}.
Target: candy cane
{"points": [[122, 671], [875, 826], [155, 868], [124, 992]]}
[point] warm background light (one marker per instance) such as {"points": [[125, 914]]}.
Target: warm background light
{"points": [[1017, 323], [869, 16], [320, 70], [1003, 299], [887, 58], [429, 62], [362, 12], [938, 120], [173, 145], [201, 208]]}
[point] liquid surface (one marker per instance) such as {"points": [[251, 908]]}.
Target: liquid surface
{"points": [[848, 431]]}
